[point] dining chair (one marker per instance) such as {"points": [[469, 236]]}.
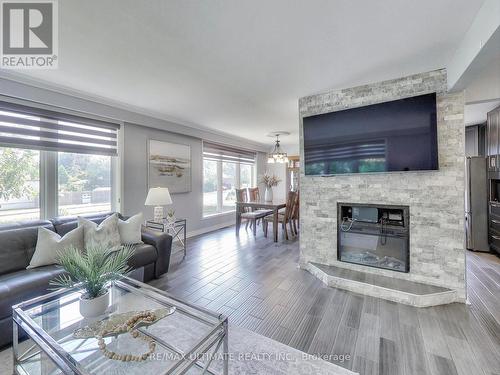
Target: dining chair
{"points": [[246, 213], [242, 196], [254, 195], [284, 218], [294, 221]]}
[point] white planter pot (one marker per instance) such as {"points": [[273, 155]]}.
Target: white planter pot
{"points": [[268, 195], [91, 308]]}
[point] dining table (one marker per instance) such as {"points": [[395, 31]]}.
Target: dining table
{"points": [[274, 206]]}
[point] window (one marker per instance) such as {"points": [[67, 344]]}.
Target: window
{"points": [[19, 184], [224, 170], [54, 163], [246, 175], [228, 186], [84, 183], [210, 187]]}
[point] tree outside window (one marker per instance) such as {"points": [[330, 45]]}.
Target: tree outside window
{"points": [[19, 184], [84, 183]]}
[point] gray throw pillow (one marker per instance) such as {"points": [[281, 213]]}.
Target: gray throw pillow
{"points": [[104, 235], [49, 244]]}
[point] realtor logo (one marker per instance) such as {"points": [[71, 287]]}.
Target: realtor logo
{"points": [[29, 34]]}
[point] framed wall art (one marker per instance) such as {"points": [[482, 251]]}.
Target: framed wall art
{"points": [[169, 165]]}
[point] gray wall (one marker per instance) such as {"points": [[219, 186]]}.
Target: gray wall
{"points": [[133, 161], [436, 198], [471, 141], [135, 177]]}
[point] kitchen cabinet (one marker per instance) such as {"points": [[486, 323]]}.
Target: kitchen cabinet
{"points": [[493, 140]]}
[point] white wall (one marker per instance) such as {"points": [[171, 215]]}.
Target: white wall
{"points": [[280, 170], [486, 86]]}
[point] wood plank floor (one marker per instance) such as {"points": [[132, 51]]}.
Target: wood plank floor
{"points": [[258, 285]]}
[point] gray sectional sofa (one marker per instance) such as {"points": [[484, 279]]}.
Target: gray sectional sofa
{"points": [[17, 244]]}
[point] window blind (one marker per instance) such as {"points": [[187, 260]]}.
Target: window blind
{"points": [[215, 151], [37, 128]]}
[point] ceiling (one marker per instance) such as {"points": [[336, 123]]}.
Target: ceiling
{"points": [[476, 113], [239, 66]]}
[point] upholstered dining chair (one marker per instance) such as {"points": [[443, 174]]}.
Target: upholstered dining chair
{"points": [[284, 218], [254, 196], [249, 215]]}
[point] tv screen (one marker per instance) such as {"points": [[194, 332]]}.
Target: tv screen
{"points": [[399, 135]]}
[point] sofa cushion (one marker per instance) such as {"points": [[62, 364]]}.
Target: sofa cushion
{"points": [[130, 229], [143, 254], [22, 285], [104, 235], [49, 245], [64, 224], [17, 244]]}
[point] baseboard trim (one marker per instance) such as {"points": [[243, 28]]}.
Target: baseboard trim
{"points": [[197, 232]]}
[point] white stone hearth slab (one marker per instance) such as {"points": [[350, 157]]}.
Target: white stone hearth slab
{"points": [[392, 289]]}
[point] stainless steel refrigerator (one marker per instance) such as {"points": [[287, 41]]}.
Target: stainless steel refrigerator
{"points": [[476, 204]]}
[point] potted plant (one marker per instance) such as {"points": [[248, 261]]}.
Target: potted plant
{"points": [[171, 217], [269, 181], [92, 269]]}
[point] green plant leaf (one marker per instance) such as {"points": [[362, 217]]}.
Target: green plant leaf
{"points": [[93, 268]]}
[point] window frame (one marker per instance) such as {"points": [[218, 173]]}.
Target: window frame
{"points": [[49, 183], [220, 180], [48, 161]]}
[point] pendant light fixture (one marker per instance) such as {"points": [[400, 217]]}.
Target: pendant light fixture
{"points": [[277, 155]]}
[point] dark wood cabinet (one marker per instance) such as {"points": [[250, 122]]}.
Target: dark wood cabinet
{"points": [[493, 139], [493, 151]]}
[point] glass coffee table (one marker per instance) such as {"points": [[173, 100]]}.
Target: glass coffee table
{"points": [[186, 341]]}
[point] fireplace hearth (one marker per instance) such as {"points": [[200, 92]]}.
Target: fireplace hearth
{"points": [[374, 235]]}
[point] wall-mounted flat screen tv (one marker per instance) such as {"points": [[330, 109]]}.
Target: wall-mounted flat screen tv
{"points": [[395, 136]]}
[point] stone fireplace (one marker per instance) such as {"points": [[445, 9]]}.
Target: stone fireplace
{"points": [[433, 200]]}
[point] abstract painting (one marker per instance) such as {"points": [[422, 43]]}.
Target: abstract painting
{"points": [[169, 166]]}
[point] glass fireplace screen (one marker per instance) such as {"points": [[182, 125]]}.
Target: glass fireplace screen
{"points": [[380, 239]]}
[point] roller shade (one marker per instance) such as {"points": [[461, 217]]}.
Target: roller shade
{"points": [[42, 129], [215, 151]]}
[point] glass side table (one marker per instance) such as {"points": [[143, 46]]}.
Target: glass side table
{"points": [[176, 229]]}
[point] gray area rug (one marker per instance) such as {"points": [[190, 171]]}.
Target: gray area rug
{"points": [[250, 353]]}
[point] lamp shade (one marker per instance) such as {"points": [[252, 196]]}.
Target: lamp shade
{"points": [[158, 197]]}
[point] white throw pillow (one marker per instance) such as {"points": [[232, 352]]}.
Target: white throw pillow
{"points": [[49, 244], [130, 230], [105, 234]]}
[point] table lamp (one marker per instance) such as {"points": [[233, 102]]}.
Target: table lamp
{"points": [[158, 197]]}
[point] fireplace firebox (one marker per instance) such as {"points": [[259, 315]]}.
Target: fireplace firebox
{"points": [[374, 235]]}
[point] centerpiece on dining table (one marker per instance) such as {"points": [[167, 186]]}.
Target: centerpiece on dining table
{"points": [[269, 181]]}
